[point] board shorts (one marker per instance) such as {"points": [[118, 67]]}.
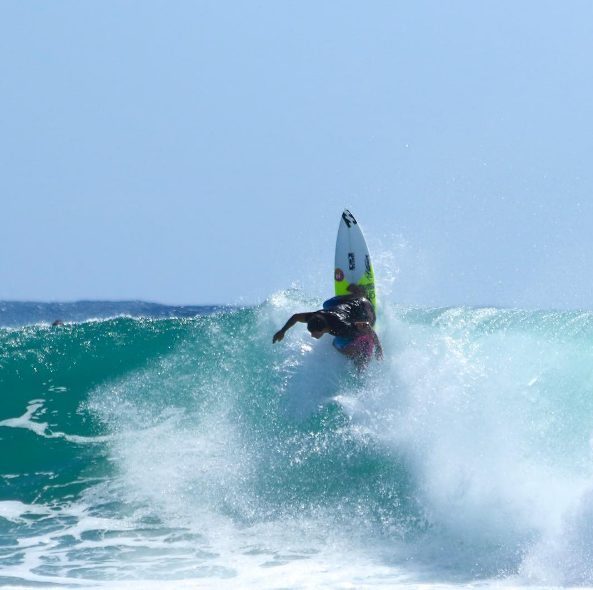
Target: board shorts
{"points": [[361, 346]]}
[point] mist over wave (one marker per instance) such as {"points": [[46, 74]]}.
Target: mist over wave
{"points": [[192, 449]]}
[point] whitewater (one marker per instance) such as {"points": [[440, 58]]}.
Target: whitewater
{"points": [[145, 446]]}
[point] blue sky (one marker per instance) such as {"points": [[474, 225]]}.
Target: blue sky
{"points": [[202, 152]]}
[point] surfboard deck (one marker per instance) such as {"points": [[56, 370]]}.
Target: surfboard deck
{"points": [[353, 264]]}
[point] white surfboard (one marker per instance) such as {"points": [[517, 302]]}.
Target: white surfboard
{"points": [[353, 261]]}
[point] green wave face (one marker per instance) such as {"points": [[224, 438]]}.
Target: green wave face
{"points": [[128, 445]]}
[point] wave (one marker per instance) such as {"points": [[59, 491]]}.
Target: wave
{"points": [[195, 448]]}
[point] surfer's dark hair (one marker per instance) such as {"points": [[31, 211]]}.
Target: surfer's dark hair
{"points": [[316, 323]]}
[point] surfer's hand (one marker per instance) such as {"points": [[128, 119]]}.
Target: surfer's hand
{"points": [[278, 336]]}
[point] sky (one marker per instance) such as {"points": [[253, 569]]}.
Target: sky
{"points": [[202, 152]]}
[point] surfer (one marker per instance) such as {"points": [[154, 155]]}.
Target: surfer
{"points": [[350, 319]]}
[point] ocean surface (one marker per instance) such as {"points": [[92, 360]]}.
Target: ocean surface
{"points": [[146, 446]]}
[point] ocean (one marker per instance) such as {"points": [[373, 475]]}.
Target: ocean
{"points": [[147, 446]]}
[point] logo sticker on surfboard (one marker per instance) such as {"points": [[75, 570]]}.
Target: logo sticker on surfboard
{"points": [[351, 261], [339, 274]]}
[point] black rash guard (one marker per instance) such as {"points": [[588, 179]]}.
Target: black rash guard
{"points": [[342, 316]]}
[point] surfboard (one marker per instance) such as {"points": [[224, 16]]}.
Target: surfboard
{"points": [[353, 264]]}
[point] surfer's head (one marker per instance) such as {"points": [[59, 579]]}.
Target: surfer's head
{"points": [[317, 325]]}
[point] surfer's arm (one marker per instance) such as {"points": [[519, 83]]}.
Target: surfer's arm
{"points": [[297, 317]]}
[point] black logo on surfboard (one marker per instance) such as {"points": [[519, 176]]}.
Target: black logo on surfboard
{"points": [[351, 261], [348, 218]]}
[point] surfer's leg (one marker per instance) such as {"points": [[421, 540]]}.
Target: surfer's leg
{"points": [[342, 344], [360, 350]]}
